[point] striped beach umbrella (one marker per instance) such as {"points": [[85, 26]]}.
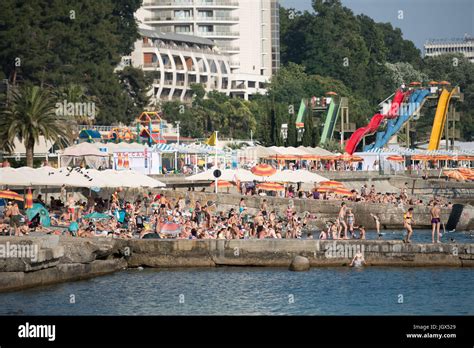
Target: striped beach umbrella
{"points": [[331, 184], [222, 184], [325, 189], [270, 186], [263, 169], [342, 192], [7, 194], [395, 159], [29, 199], [454, 174]]}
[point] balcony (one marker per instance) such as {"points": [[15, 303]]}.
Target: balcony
{"points": [[168, 19], [226, 3], [204, 19], [168, 3], [151, 65], [218, 33]]}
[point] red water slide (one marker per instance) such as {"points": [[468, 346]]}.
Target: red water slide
{"points": [[374, 123]]}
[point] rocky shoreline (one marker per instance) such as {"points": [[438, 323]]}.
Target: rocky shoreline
{"points": [[63, 259]]}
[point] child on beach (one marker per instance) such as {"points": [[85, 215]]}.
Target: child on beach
{"points": [[377, 224]]}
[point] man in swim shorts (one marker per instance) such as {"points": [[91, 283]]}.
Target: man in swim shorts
{"points": [[435, 222]]}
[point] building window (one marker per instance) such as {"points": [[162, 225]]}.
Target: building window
{"points": [[205, 28], [183, 14], [205, 14], [182, 28]]}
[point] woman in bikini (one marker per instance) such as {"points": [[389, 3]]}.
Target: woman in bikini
{"points": [[407, 222]]}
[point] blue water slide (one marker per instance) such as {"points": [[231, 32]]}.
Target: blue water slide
{"points": [[406, 113]]}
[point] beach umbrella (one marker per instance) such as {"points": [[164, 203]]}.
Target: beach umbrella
{"points": [[97, 216], [263, 169], [223, 184], [463, 158], [441, 158], [170, 228], [420, 158], [433, 83], [342, 192], [325, 189], [454, 174], [445, 83], [39, 209], [270, 186], [29, 199], [331, 93], [331, 184], [12, 195], [349, 158], [396, 158], [415, 83]]}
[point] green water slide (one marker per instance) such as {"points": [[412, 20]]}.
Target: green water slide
{"points": [[301, 112], [331, 119]]}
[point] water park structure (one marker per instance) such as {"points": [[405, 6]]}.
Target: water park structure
{"points": [[149, 128], [329, 109], [405, 106]]}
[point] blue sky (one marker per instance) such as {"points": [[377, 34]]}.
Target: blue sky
{"points": [[422, 19]]}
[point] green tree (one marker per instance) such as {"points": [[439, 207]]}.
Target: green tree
{"points": [[32, 114], [291, 139], [309, 131]]}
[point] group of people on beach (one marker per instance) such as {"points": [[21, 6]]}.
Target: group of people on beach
{"points": [[158, 216]]}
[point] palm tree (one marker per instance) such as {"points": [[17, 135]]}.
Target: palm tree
{"points": [[29, 115]]}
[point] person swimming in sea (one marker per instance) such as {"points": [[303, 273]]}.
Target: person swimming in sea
{"points": [[358, 260]]}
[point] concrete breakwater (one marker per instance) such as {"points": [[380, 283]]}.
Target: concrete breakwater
{"points": [[460, 218], [61, 259]]}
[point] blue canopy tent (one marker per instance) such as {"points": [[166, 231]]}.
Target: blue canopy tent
{"points": [[43, 213], [90, 134]]}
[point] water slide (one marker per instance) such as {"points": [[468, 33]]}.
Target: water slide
{"points": [[301, 112], [374, 123], [440, 119], [394, 125], [331, 119]]}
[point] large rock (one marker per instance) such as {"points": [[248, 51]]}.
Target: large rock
{"points": [[300, 263]]}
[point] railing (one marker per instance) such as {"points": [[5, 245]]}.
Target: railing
{"points": [[216, 3], [218, 33], [168, 18], [234, 63], [216, 18], [167, 2], [190, 3], [180, 48]]}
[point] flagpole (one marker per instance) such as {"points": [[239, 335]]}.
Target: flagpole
{"points": [[215, 162]]}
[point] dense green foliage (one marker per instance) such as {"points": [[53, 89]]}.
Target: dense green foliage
{"points": [[56, 43], [73, 48]]}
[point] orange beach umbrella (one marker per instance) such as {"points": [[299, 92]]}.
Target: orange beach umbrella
{"points": [[270, 186], [331, 184], [223, 184], [263, 169], [396, 158], [12, 195]]}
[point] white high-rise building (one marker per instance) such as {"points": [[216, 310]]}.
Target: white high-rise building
{"points": [[439, 47], [246, 31]]}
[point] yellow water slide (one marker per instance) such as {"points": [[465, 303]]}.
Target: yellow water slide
{"points": [[440, 119]]}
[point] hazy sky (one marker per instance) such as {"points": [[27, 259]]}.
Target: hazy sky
{"points": [[422, 19]]}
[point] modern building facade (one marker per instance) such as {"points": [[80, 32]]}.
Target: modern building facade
{"points": [[179, 61], [438, 47], [245, 31]]}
